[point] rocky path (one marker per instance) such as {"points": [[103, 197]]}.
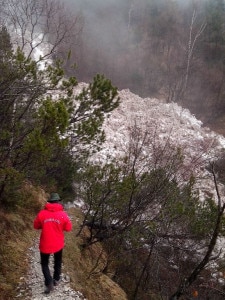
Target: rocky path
{"points": [[31, 287]]}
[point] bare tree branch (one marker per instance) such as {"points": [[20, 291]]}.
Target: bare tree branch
{"points": [[44, 24], [202, 264]]}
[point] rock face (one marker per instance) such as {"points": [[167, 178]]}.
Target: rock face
{"points": [[32, 287]]}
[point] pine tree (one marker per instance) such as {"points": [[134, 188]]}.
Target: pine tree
{"points": [[43, 120]]}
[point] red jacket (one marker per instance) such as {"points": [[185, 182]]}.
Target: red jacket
{"points": [[53, 221]]}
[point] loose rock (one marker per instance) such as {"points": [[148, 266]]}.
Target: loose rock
{"points": [[31, 287]]}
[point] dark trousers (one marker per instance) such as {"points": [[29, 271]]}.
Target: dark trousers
{"points": [[57, 266]]}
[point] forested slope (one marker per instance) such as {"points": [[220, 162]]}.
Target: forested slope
{"points": [[143, 201], [171, 50]]}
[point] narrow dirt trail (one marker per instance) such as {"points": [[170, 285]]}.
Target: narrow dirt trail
{"points": [[31, 287]]}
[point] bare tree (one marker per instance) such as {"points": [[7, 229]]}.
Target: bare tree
{"points": [[191, 44], [177, 87], [41, 24]]}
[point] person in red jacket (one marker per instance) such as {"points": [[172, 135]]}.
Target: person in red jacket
{"points": [[53, 221]]}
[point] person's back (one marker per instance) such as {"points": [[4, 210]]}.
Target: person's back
{"points": [[53, 221]]}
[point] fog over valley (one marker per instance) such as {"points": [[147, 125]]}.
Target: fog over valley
{"points": [[166, 49]]}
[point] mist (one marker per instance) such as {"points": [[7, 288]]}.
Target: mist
{"points": [[106, 23], [142, 45]]}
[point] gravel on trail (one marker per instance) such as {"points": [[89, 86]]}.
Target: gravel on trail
{"points": [[31, 287]]}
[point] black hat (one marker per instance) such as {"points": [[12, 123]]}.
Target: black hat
{"points": [[54, 197]]}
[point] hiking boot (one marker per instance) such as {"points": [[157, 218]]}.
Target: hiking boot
{"points": [[56, 282], [48, 288]]}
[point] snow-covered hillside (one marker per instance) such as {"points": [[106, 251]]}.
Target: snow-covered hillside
{"points": [[167, 124]]}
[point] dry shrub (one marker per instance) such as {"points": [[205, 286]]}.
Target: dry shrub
{"points": [[16, 235], [86, 265], [33, 197]]}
